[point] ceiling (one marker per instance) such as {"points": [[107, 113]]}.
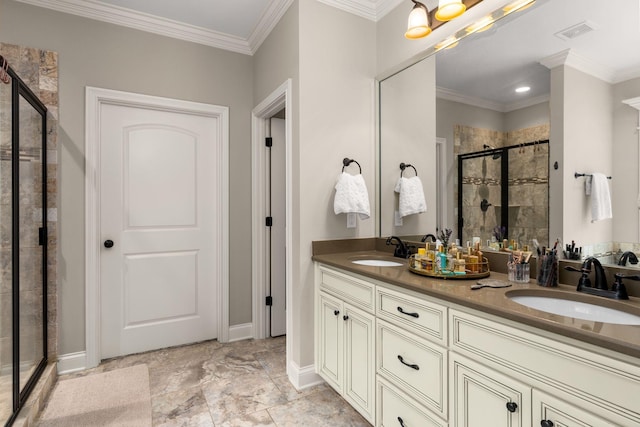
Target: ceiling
{"points": [[483, 69], [236, 25]]}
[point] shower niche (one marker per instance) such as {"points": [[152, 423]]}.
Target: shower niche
{"points": [[23, 242], [503, 193]]}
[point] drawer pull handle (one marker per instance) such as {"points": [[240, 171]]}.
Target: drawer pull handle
{"points": [[401, 422], [546, 423], [416, 367], [336, 312], [512, 406], [416, 315]]}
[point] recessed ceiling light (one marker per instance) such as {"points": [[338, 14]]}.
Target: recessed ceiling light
{"points": [[523, 89]]}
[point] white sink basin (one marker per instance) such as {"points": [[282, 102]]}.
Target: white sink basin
{"points": [[577, 309], [377, 263]]}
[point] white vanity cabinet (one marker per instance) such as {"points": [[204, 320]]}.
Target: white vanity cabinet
{"points": [[403, 358], [345, 348], [553, 382]]}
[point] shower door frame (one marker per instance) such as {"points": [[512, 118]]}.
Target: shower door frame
{"points": [[18, 89], [504, 177]]}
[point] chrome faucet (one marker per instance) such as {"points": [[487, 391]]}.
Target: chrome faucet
{"points": [[401, 250]]}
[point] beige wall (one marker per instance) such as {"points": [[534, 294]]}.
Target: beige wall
{"points": [[587, 144], [93, 53], [625, 163], [337, 69]]}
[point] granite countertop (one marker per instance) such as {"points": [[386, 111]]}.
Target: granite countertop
{"points": [[620, 338]]}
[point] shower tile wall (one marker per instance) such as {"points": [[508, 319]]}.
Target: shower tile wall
{"points": [[528, 182], [39, 70]]}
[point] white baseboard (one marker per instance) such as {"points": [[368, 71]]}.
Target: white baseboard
{"points": [[303, 378], [241, 332], [72, 362]]}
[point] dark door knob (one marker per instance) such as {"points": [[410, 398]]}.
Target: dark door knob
{"points": [[345, 317], [512, 406], [336, 312], [108, 244], [546, 423]]}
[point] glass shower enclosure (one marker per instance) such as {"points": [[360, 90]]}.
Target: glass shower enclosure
{"points": [[23, 243], [503, 193]]}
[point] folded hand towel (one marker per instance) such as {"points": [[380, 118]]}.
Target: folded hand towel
{"points": [[600, 197], [411, 196], [351, 196]]}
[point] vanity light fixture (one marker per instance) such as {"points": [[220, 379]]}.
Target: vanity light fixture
{"points": [[482, 25], [523, 89], [418, 25], [517, 5], [449, 9], [448, 43]]}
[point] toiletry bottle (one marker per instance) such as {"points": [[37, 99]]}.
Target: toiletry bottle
{"points": [[441, 260], [460, 267], [419, 258]]}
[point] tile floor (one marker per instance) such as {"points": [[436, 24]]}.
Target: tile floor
{"points": [[241, 384]]}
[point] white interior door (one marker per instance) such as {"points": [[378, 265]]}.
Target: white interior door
{"points": [[158, 206], [278, 318]]}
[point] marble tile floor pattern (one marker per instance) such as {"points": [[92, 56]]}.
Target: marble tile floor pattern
{"points": [[241, 384]]}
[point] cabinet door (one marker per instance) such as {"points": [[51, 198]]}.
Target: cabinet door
{"points": [[483, 398], [330, 340], [359, 386], [549, 411]]}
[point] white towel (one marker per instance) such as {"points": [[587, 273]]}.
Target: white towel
{"points": [[351, 196], [411, 196], [600, 197]]}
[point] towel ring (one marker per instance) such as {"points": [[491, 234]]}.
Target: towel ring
{"points": [[347, 161], [403, 166]]}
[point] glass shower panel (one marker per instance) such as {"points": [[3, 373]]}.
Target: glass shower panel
{"points": [[529, 194], [481, 197], [31, 269], [6, 268]]}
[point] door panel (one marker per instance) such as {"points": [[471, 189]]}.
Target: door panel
{"points": [[278, 322], [157, 205]]}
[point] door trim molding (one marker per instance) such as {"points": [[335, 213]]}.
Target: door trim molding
{"points": [[94, 98], [278, 99]]}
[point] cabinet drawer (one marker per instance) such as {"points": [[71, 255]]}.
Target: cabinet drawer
{"points": [[413, 364], [350, 289], [395, 409], [421, 317]]}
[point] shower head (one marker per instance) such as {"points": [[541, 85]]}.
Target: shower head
{"points": [[496, 155]]}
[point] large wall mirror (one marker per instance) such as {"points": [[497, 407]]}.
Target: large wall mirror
{"points": [[458, 111]]}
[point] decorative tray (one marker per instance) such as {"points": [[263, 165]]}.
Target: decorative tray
{"points": [[472, 271]]}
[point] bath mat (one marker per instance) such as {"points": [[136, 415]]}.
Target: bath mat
{"points": [[116, 398]]}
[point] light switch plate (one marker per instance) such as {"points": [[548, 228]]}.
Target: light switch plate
{"points": [[398, 219], [351, 220]]}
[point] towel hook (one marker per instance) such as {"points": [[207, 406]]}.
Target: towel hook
{"points": [[347, 161], [403, 166]]}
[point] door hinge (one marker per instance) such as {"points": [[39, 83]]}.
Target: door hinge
{"points": [[269, 221], [268, 141], [42, 236], [269, 301]]}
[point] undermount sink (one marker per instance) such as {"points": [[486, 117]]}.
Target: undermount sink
{"points": [[373, 260], [575, 309]]}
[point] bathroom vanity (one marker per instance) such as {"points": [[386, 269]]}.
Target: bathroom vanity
{"points": [[408, 350]]}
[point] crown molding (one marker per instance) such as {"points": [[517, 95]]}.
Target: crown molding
{"points": [[452, 95], [268, 21], [372, 10], [117, 15], [572, 59]]}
